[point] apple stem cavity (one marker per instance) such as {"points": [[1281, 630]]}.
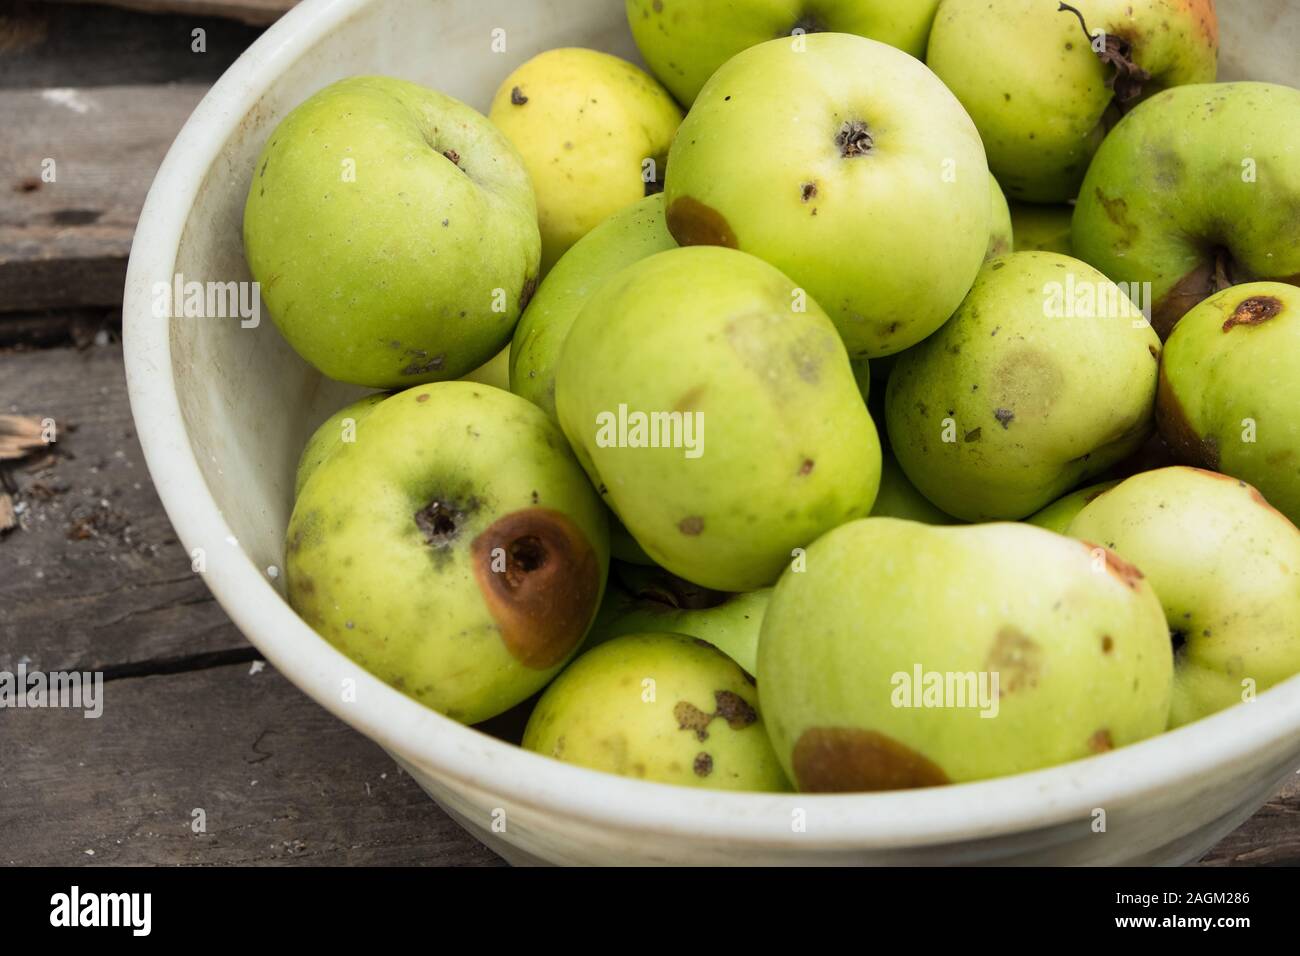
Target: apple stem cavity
{"points": [[854, 139], [1129, 78]]}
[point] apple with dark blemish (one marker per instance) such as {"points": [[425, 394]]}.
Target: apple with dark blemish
{"points": [[588, 126], [1226, 567], [685, 41], [393, 232], [651, 599], [878, 660], [662, 707], [847, 165], [1198, 189], [1229, 395], [1045, 81], [714, 407], [1044, 378], [455, 549]]}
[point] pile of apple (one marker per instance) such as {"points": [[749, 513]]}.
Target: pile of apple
{"points": [[708, 313]]}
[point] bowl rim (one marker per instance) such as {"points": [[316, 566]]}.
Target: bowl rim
{"points": [[1066, 793]]}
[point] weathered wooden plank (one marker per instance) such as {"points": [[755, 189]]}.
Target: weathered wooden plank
{"points": [[1270, 838], [247, 11], [278, 780], [78, 171], [73, 45], [94, 578]]}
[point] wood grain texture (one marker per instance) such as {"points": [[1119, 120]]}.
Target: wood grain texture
{"points": [[65, 242], [279, 781], [94, 577]]}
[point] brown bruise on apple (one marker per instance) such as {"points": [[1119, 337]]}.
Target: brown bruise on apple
{"points": [[1254, 311], [692, 223], [1188, 447], [1126, 573], [540, 579], [1016, 659], [851, 760]]}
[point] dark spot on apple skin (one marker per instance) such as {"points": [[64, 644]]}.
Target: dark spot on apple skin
{"points": [[807, 191], [974, 435], [729, 706], [703, 765], [807, 467], [1016, 658], [691, 525], [1254, 311], [540, 579], [517, 97], [689, 717], [1100, 742], [1116, 210], [694, 224], [851, 760], [1005, 417], [422, 397], [526, 293], [452, 155], [422, 363], [734, 709], [1176, 429], [1107, 643]]}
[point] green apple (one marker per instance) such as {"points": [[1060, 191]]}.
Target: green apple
{"points": [[714, 406], [651, 599], [393, 233], [685, 41], [1230, 389], [1044, 90], [1045, 377], [1059, 514], [661, 707], [628, 236], [593, 131], [847, 165], [1197, 189], [1226, 566], [495, 371], [898, 498], [455, 549], [1002, 238], [878, 661], [338, 429], [1038, 228]]}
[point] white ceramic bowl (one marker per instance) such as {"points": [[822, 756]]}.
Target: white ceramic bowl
{"points": [[223, 411]]}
